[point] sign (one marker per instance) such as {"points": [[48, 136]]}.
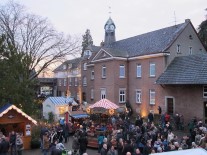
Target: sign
{"points": [[28, 130]]}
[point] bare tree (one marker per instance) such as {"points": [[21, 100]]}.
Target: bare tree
{"points": [[35, 37]]}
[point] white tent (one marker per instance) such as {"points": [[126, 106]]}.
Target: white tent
{"points": [[58, 106], [197, 151]]}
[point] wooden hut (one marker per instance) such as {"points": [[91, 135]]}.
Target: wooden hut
{"points": [[14, 119]]}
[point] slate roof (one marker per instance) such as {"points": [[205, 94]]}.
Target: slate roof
{"points": [[190, 69], [116, 52], [59, 101], [75, 62], [148, 43]]}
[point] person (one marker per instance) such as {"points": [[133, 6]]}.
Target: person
{"points": [[12, 141], [104, 150], [65, 131], [128, 153], [112, 151], [83, 141], [19, 144], [120, 146], [177, 121], [159, 110], [46, 143], [4, 146], [100, 141], [137, 152], [150, 117], [75, 144], [128, 148]]}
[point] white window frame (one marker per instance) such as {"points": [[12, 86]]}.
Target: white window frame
{"points": [[103, 71], [205, 91], [139, 70], [152, 97], [76, 81], [70, 81], [103, 93], [190, 50], [64, 82], [122, 69], [92, 94], [122, 96], [138, 96], [178, 48], [84, 81], [152, 67], [92, 75], [85, 66], [60, 82]]}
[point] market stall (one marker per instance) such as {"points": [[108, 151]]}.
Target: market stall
{"points": [[100, 113], [14, 119]]}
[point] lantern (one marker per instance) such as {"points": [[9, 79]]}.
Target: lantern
{"points": [[111, 111], [88, 110]]}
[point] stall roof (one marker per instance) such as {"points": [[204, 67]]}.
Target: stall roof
{"points": [[197, 151], [8, 107], [79, 115], [59, 101]]}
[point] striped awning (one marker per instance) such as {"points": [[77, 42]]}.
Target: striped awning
{"points": [[104, 103]]}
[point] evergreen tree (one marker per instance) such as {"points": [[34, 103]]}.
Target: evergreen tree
{"points": [[87, 40], [202, 32]]}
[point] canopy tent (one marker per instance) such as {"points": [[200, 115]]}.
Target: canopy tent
{"points": [[104, 103]]}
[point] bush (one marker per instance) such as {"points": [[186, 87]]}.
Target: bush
{"points": [[35, 141]]}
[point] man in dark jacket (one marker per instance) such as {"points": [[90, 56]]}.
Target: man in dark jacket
{"points": [[150, 117], [4, 146], [65, 131], [128, 148], [83, 141], [12, 141], [104, 150]]}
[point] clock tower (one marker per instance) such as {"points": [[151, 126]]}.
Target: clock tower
{"points": [[109, 32]]}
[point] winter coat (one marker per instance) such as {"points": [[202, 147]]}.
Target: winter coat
{"points": [[103, 151], [75, 144], [46, 142], [112, 152], [83, 142], [19, 143], [12, 139], [4, 146]]}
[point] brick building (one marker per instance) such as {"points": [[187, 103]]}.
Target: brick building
{"points": [[137, 70], [68, 76]]}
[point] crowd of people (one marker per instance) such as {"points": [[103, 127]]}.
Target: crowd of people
{"points": [[14, 143]]}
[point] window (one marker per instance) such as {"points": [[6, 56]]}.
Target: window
{"points": [[84, 81], [122, 71], [92, 94], [190, 50], [152, 96], [64, 67], [92, 75], [60, 82], [87, 53], [139, 70], [138, 96], [85, 66], [65, 82], [178, 48], [103, 71], [204, 91], [76, 81], [122, 95], [152, 69], [103, 93], [70, 82]]}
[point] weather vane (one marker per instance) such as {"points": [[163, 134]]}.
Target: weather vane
{"points": [[109, 11], [175, 18]]}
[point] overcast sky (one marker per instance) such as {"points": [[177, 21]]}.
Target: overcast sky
{"points": [[131, 17]]}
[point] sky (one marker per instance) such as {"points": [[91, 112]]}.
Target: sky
{"points": [[131, 17]]}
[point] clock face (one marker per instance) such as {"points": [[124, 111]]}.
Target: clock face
{"points": [[112, 27]]}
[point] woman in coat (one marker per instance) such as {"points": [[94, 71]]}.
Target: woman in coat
{"points": [[19, 144], [75, 144]]}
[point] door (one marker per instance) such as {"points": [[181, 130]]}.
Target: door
{"points": [[170, 106], [205, 112]]}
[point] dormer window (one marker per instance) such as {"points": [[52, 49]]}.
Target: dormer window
{"points": [[87, 53], [64, 66], [178, 48], [85, 66]]}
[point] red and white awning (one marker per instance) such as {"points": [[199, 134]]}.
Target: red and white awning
{"points": [[104, 103]]}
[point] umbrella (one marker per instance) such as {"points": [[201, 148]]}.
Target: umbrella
{"points": [[104, 103]]}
